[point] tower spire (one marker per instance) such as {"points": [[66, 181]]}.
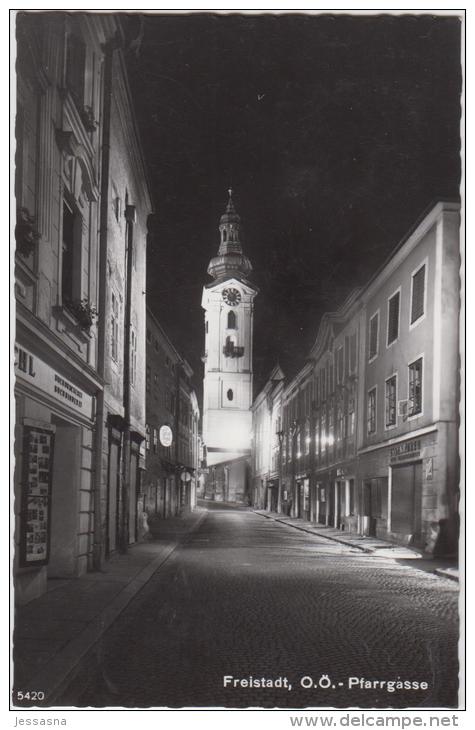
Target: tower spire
{"points": [[230, 260]]}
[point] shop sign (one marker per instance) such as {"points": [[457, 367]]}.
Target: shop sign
{"points": [[30, 368], [185, 476], [408, 451], [166, 436]]}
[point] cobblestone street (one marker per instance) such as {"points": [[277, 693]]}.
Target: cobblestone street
{"points": [[245, 596]]}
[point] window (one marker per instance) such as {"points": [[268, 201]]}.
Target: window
{"points": [[415, 387], [147, 437], [371, 423], [339, 423], [390, 402], [148, 378], [418, 294], [114, 327], [155, 440], [331, 427], [149, 336], [323, 436], [393, 318], [307, 437], [339, 365], [373, 336], [231, 321], [351, 413], [352, 355], [331, 382], [133, 356], [70, 253], [75, 68]]}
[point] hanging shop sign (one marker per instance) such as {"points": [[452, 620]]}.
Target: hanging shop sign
{"points": [[408, 451], [30, 368], [166, 435], [185, 476], [38, 447]]}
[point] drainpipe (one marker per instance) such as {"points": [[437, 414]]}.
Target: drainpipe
{"points": [[109, 47], [130, 217]]}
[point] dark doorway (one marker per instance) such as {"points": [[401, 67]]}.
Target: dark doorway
{"points": [[406, 500]]}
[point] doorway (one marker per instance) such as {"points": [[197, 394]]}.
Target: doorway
{"points": [[113, 481], [406, 500], [64, 500]]}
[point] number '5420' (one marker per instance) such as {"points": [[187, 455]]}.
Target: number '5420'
{"points": [[32, 696]]}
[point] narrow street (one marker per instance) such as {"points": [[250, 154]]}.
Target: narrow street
{"points": [[245, 596]]}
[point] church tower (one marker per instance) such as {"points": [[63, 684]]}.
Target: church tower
{"points": [[227, 387]]}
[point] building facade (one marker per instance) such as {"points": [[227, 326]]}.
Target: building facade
{"points": [[172, 442], [267, 435], [227, 385], [63, 116], [335, 411], [370, 422], [409, 396]]}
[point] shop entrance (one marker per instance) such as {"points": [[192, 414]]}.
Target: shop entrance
{"points": [[406, 500], [369, 509], [64, 500], [305, 499], [133, 494], [334, 505], [322, 496], [113, 480]]}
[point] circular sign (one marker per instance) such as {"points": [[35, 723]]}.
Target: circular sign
{"points": [[185, 476], [166, 435]]}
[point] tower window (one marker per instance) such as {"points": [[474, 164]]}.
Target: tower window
{"points": [[230, 394], [224, 234], [231, 321]]}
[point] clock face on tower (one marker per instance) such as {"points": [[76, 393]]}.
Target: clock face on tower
{"points": [[231, 296]]}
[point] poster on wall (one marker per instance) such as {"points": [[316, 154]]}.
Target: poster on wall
{"points": [[38, 445]]}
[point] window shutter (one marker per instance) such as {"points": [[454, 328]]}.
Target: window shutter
{"points": [[418, 285]]}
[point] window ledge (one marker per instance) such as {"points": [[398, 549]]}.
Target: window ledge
{"points": [[71, 323], [25, 269]]}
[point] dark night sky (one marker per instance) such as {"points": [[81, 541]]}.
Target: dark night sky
{"points": [[336, 132]]}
